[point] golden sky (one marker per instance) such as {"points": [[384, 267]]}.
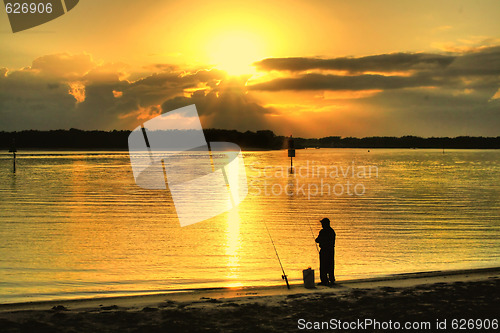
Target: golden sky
{"points": [[309, 68]]}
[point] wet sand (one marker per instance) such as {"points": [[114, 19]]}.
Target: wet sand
{"points": [[427, 297]]}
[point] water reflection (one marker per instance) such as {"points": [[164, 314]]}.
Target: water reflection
{"points": [[75, 224], [233, 245]]}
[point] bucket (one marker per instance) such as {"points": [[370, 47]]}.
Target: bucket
{"points": [[308, 276]]}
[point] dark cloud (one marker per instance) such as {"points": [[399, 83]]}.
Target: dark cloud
{"points": [[162, 67], [228, 107], [435, 112], [64, 91], [156, 88], [483, 62], [471, 69], [376, 63], [340, 82], [180, 80], [28, 100], [138, 100]]}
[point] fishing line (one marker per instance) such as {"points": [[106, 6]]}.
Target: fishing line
{"points": [[312, 233]]}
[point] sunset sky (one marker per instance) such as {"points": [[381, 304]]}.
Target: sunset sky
{"points": [[308, 68]]}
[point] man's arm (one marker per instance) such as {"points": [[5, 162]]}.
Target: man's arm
{"points": [[318, 239]]}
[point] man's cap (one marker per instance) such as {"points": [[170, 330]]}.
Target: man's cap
{"points": [[327, 220]]}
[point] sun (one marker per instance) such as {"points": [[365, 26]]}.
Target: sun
{"points": [[234, 52]]}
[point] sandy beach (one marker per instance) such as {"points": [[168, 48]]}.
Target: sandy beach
{"points": [[426, 301]]}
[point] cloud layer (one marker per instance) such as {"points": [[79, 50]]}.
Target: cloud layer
{"points": [[388, 94], [376, 63], [413, 70], [64, 91]]}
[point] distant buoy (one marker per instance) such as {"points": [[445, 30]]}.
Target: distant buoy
{"points": [[291, 152], [13, 150]]}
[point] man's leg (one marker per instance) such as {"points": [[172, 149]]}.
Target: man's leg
{"points": [[323, 271], [332, 270]]}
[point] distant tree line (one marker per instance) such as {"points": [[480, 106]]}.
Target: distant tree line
{"points": [[78, 139], [460, 142]]}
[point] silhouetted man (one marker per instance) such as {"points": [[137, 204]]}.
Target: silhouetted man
{"points": [[326, 240]]}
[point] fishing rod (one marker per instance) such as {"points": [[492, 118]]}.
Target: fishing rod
{"points": [[312, 233], [284, 277]]}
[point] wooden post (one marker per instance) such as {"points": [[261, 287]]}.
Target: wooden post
{"points": [[13, 150], [291, 152]]}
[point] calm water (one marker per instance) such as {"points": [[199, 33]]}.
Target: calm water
{"points": [[74, 224]]}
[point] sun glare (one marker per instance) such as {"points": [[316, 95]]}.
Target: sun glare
{"points": [[234, 52]]}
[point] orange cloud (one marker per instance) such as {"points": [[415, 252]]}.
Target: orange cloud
{"points": [[117, 94], [77, 90]]}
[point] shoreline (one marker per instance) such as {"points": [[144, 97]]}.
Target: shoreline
{"points": [[186, 295], [28, 150], [433, 301]]}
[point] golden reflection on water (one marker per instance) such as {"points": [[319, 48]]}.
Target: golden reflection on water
{"points": [[77, 225], [233, 245]]}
